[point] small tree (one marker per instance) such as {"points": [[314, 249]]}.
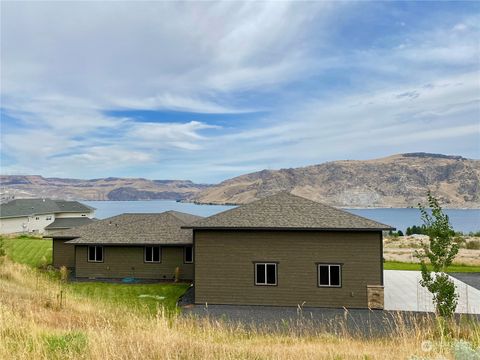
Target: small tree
{"points": [[440, 252]]}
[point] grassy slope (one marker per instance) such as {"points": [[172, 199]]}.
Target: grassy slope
{"points": [[35, 325], [37, 252]]}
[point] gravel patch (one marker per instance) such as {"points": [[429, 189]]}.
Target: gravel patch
{"points": [[356, 322]]}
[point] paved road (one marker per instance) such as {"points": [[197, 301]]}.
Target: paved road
{"points": [[356, 322], [472, 279]]}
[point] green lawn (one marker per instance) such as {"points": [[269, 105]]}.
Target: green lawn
{"points": [[36, 252], [31, 251], [395, 265], [147, 297]]}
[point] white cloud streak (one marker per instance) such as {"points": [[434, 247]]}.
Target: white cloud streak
{"points": [[64, 66]]}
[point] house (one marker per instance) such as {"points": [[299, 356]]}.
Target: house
{"points": [[42, 215], [287, 250], [280, 250], [143, 246]]}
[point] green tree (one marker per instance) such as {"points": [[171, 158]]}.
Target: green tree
{"points": [[440, 251]]}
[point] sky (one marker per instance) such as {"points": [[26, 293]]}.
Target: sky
{"points": [[211, 90]]}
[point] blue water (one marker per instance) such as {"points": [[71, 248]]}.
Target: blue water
{"points": [[462, 220]]}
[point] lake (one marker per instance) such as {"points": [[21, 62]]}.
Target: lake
{"points": [[462, 220]]}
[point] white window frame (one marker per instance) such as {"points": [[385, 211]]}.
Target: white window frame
{"points": [[49, 217], [329, 276], [152, 261], [185, 255], [265, 283], [96, 247]]}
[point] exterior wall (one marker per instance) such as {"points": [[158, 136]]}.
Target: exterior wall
{"points": [[63, 254], [128, 261], [224, 267], [90, 214], [26, 224]]}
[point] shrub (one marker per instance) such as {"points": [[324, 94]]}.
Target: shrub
{"points": [[2, 249], [460, 241], [473, 245]]}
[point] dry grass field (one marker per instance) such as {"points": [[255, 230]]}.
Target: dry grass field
{"points": [[402, 249], [40, 318]]}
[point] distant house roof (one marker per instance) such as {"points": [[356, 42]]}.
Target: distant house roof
{"points": [[29, 207], [164, 228], [68, 222], [289, 212]]}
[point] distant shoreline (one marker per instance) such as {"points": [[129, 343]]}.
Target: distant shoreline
{"points": [[233, 204]]}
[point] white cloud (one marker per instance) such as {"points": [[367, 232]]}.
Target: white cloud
{"points": [[64, 65], [136, 56]]}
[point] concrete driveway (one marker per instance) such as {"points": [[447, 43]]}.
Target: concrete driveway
{"points": [[403, 292]]}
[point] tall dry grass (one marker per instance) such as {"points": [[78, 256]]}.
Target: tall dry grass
{"points": [[36, 324]]}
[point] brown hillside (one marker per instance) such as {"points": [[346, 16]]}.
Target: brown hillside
{"points": [[394, 181]]}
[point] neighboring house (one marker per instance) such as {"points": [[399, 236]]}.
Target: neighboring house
{"points": [[280, 250], [143, 246], [287, 250], [42, 215]]}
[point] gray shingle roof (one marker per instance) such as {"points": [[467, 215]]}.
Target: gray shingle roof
{"points": [[287, 211], [29, 207], [130, 229], [67, 223]]}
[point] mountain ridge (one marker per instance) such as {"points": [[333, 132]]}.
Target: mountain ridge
{"points": [[400, 180]]}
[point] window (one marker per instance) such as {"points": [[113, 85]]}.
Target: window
{"points": [[152, 254], [37, 218], [265, 274], [188, 254], [329, 275], [95, 253], [48, 218], [84, 215]]}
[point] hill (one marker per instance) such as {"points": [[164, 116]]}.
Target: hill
{"points": [[395, 181], [28, 186]]}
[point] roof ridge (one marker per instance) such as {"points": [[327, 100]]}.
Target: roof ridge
{"points": [[338, 209], [286, 210]]}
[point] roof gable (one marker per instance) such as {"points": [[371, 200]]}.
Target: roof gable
{"points": [[286, 211]]}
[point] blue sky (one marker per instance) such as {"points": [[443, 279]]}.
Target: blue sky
{"points": [[211, 90]]}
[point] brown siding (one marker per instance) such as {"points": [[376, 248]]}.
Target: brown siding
{"points": [[224, 269], [63, 254], [127, 261]]}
